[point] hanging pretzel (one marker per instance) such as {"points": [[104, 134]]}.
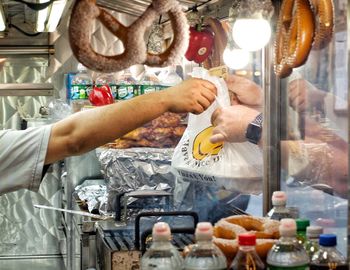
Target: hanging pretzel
{"points": [[324, 19], [135, 51], [295, 32]]}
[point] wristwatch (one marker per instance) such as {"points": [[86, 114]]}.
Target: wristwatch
{"points": [[254, 129]]}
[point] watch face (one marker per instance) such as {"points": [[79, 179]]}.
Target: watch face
{"points": [[253, 134]]}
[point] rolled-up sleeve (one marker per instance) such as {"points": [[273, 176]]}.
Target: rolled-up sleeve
{"points": [[22, 158]]}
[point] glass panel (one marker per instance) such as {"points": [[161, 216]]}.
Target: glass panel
{"points": [[314, 146]]}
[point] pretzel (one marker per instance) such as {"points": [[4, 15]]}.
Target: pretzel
{"points": [[226, 233], [295, 32], [135, 52], [324, 19]]}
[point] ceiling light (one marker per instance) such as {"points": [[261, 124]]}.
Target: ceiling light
{"points": [[251, 29], [48, 18], [251, 34], [236, 58]]}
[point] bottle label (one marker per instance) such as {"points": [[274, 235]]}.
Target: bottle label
{"points": [[303, 267], [80, 91], [125, 92], [330, 266]]}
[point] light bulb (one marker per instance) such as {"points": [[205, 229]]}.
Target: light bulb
{"points": [[236, 58], [251, 34]]}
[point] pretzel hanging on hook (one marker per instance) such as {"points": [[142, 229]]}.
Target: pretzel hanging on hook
{"points": [[135, 50]]}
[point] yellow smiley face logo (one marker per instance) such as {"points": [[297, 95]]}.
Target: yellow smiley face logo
{"points": [[202, 147]]}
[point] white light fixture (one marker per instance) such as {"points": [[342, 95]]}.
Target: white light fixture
{"points": [[236, 58], [48, 18], [251, 34], [251, 29], [55, 15], [41, 18], [2, 19]]}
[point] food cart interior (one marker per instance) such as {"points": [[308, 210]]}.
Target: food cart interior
{"points": [[304, 150]]}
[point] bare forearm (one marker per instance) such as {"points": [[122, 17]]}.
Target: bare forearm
{"points": [[89, 129]]}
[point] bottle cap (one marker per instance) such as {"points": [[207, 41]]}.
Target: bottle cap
{"points": [[314, 231], [204, 231], [287, 227], [161, 232], [302, 224], [328, 240], [279, 198], [247, 239]]}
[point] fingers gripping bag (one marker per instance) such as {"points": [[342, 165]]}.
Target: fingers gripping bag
{"points": [[237, 166]]}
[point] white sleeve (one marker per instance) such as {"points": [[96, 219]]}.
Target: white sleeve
{"points": [[22, 157]]}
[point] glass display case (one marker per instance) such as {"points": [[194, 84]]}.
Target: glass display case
{"points": [[306, 138]]}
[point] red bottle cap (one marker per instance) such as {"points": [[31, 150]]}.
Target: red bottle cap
{"points": [[247, 239]]}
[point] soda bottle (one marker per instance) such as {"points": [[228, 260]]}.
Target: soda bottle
{"points": [[162, 255], [247, 258], [279, 210], [328, 257], [312, 234], [287, 253], [302, 224], [204, 254]]}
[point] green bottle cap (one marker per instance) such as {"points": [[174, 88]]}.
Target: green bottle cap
{"points": [[302, 224]]}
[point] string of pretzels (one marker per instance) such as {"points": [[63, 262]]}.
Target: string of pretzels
{"points": [[135, 50]]}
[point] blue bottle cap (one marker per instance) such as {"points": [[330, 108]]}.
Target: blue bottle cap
{"points": [[328, 240]]}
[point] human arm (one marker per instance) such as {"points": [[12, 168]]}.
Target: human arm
{"points": [[231, 123], [244, 91], [84, 131]]}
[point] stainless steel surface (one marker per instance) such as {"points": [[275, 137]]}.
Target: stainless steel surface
{"points": [[26, 231], [6, 51], [271, 129], [26, 89], [42, 263], [78, 169]]}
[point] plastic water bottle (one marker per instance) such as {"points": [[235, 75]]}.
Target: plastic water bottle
{"points": [[171, 78], [107, 79], [149, 82], [287, 253], [82, 84], [247, 258], [162, 255], [302, 224], [126, 86], [328, 257], [204, 254], [312, 234], [279, 210]]}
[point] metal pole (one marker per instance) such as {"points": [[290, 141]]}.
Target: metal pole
{"points": [[271, 129]]}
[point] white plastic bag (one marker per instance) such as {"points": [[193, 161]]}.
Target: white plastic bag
{"points": [[230, 165]]}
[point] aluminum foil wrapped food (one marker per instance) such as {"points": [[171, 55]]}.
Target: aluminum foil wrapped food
{"points": [[93, 196], [163, 132], [136, 169]]}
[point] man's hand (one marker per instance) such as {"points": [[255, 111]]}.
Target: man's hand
{"points": [[230, 123], [303, 95], [193, 95], [245, 91]]}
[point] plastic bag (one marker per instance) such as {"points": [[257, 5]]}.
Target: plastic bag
{"points": [[197, 159]]}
